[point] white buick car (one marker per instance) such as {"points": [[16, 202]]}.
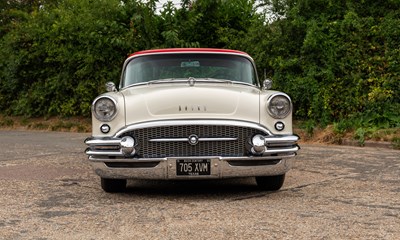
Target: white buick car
{"points": [[191, 114]]}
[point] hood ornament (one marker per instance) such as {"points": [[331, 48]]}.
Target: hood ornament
{"points": [[191, 81]]}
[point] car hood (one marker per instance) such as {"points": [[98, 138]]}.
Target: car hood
{"points": [[181, 101]]}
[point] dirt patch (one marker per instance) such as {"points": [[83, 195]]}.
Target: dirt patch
{"points": [[387, 138], [71, 124], [28, 172]]}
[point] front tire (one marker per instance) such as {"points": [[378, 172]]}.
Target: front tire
{"points": [[113, 185], [270, 183]]}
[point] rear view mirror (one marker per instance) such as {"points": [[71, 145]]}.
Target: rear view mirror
{"points": [[110, 87], [267, 84]]}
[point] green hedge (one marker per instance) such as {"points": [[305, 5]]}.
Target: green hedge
{"points": [[336, 59]]}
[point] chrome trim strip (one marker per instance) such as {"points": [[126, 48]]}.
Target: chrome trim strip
{"points": [[187, 139], [104, 153], [138, 160], [291, 152], [162, 123], [281, 139], [216, 139], [169, 140], [113, 141]]}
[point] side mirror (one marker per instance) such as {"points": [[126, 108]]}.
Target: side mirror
{"points": [[267, 84], [110, 87]]}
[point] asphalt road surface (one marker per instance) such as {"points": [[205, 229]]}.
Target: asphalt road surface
{"points": [[49, 191]]}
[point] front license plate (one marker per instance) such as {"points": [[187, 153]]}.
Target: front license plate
{"points": [[193, 167]]}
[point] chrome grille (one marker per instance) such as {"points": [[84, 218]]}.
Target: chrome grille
{"points": [[236, 148]]}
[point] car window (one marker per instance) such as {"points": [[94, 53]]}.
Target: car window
{"points": [[183, 66]]}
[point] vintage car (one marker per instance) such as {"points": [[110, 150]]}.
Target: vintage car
{"points": [[191, 114]]}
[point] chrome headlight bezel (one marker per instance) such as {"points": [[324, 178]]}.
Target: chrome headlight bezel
{"points": [[276, 101], [111, 112]]}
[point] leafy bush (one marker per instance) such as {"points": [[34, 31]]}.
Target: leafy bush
{"points": [[60, 57], [338, 60]]}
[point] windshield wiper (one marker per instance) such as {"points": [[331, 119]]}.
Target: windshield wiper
{"points": [[227, 81], [167, 80], [191, 80], [218, 80]]}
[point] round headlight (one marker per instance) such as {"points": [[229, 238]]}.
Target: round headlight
{"points": [[279, 105], [104, 109]]}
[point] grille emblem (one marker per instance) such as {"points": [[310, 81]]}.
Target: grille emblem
{"points": [[193, 139]]}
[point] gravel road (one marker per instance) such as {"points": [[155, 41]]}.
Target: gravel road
{"points": [[49, 191]]}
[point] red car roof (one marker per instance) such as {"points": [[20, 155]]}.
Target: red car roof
{"points": [[184, 50]]}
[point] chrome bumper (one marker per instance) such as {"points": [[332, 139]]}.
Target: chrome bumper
{"points": [[109, 161], [166, 169]]}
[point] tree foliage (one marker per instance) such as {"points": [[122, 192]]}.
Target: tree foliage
{"points": [[59, 56], [336, 59]]}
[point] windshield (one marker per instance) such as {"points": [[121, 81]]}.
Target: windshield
{"points": [[183, 66]]}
